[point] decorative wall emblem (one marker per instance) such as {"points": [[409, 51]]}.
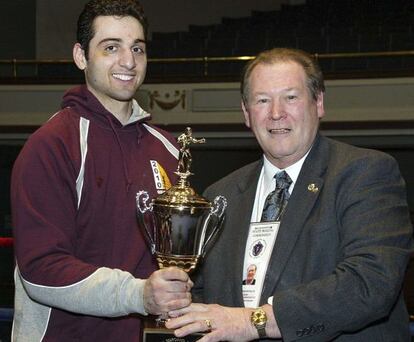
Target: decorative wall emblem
{"points": [[167, 101]]}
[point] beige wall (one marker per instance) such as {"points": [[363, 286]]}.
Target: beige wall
{"points": [[388, 99]]}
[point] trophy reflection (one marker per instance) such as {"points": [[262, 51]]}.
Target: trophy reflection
{"points": [[179, 224]]}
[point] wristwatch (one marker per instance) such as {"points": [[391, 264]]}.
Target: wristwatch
{"points": [[258, 319]]}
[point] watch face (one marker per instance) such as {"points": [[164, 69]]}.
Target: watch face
{"points": [[259, 317]]}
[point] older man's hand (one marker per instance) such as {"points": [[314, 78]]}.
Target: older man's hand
{"points": [[220, 323]]}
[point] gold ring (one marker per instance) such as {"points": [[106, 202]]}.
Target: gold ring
{"points": [[208, 323]]}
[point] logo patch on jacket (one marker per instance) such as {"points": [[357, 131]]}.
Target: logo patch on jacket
{"points": [[162, 182]]}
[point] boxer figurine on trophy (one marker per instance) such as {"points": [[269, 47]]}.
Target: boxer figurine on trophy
{"points": [[185, 159]]}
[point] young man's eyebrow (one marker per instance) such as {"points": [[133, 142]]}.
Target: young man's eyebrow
{"points": [[138, 40]]}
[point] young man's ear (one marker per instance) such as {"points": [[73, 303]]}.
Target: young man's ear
{"points": [[79, 56]]}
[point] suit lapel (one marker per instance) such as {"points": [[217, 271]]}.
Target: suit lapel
{"points": [[306, 192], [240, 226]]}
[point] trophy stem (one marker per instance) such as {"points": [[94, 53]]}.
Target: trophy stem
{"points": [[161, 320], [186, 262], [182, 182]]}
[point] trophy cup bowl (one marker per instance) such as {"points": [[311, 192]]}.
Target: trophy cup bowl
{"points": [[179, 224]]}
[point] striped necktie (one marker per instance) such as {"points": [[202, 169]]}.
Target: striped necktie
{"points": [[276, 201]]}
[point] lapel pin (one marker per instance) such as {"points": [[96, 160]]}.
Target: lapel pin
{"points": [[313, 188]]}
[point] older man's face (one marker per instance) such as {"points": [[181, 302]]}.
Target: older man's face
{"points": [[281, 112]]}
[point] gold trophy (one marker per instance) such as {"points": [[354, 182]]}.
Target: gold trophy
{"points": [[179, 224]]}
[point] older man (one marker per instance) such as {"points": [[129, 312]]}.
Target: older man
{"points": [[327, 225]]}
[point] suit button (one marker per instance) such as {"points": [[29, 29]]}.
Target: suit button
{"points": [[321, 328]]}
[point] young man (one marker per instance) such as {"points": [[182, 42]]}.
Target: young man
{"points": [[330, 264], [81, 258]]}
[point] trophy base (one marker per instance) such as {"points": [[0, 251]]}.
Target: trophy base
{"points": [[167, 335], [154, 332]]}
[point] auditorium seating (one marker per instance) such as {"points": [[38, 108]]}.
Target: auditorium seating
{"points": [[317, 26], [323, 27]]}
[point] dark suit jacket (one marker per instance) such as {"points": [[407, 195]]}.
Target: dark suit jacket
{"points": [[339, 259]]}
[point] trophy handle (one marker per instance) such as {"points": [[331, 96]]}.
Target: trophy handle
{"points": [[142, 199], [216, 212]]}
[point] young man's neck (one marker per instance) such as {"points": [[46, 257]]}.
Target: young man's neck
{"points": [[122, 110]]}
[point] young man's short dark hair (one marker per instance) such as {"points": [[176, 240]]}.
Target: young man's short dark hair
{"points": [[96, 8]]}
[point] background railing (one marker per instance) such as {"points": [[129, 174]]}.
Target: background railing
{"points": [[334, 65]]}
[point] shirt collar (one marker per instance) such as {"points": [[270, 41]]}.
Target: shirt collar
{"points": [[137, 113], [269, 171]]}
